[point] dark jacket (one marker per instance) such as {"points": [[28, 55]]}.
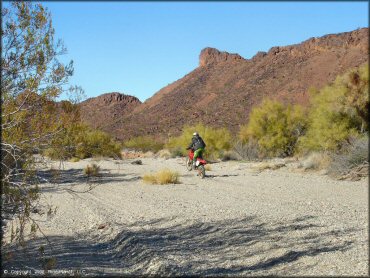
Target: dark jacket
{"points": [[197, 142]]}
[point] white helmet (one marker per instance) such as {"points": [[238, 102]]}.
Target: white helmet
{"points": [[195, 134]]}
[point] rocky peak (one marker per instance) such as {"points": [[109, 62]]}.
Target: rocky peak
{"points": [[211, 55], [112, 99], [115, 97]]}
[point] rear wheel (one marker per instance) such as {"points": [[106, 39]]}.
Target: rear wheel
{"points": [[201, 171], [189, 164]]}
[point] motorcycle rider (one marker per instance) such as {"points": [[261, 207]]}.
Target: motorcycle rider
{"points": [[198, 145]]}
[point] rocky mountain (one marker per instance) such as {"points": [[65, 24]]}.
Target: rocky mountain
{"points": [[221, 91], [106, 109]]}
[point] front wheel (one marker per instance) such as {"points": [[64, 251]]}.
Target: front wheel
{"points": [[189, 164], [201, 171]]}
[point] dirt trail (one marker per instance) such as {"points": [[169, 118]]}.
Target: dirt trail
{"points": [[236, 221]]}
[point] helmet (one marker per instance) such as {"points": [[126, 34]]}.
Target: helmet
{"points": [[195, 134]]}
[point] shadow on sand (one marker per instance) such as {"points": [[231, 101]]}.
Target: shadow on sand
{"points": [[243, 246], [72, 177]]}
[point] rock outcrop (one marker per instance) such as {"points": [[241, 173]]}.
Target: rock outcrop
{"points": [[211, 55]]}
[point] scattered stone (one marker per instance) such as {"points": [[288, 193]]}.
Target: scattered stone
{"points": [[137, 162]]}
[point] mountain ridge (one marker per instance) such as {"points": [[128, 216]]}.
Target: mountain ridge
{"points": [[225, 86]]}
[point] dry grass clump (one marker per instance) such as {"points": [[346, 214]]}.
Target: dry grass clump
{"points": [[316, 161], [268, 165], [247, 151], [92, 170], [164, 176], [55, 174], [148, 154], [353, 162], [208, 167], [164, 154], [74, 159]]}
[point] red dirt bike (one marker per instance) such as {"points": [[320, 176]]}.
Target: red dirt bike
{"points": [[199, 164]]}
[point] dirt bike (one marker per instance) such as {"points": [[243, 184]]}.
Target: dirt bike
{"points": [[199, 164]]}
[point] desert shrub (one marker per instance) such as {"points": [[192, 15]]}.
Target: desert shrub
{"points": [[97, 143], [275, 127], [338, 112], [228, 155], [81, 142], [74, 159], [316, 161], [268, 166], [164, 176], [354, 154], [176, 152], [164, 154], [144, 144], [64, 146], [248, 150], [92, 170], [217, 140]]}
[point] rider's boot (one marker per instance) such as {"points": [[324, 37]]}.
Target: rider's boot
{"points": [[194, 165]]}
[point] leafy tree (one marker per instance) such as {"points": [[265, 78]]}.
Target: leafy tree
{"points": [[32, 78], [275, 127], [338, 112]]}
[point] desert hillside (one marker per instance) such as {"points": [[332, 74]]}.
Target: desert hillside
{"points": [[107, 108], [224, 87]]}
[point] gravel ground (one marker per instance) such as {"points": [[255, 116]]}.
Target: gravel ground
{"points": [[236, 221]]}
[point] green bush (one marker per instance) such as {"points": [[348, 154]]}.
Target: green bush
{"points": [[274, 127], [338, 112], [82, 142], [218, 140], [97, 143], [144, 143]]}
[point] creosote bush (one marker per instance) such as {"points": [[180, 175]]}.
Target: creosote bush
{"points": [[274, 127], [144, 144], [338, 112], [164, 176], [82, 142]]}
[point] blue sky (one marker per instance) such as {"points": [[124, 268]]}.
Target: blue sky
{"points": [[138, 48]]}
